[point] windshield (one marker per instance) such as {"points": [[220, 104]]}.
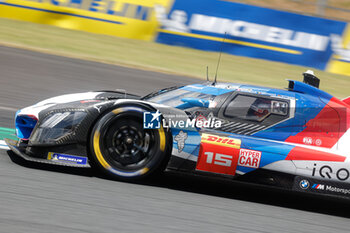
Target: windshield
{"points": [[173, 97]]}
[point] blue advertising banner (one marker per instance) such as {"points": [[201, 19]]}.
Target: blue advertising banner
{"points": [[250, 31]]}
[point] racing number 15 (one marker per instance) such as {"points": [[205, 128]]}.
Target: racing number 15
{"points": [[219, 159]]}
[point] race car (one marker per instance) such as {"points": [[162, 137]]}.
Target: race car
{"points": [[296, 138]]}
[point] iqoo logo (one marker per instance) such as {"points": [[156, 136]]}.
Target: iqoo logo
{"points": [[329, 172]]}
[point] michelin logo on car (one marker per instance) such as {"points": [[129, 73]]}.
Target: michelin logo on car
{"points": [[67, 158], [180, 139], [152, 120]]}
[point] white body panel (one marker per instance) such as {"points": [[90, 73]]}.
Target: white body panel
{"points": [[35, 109]]}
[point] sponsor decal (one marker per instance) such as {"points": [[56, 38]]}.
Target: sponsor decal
{"points": [[249, 158], [318, 142], [304, 184], [307, 140], [337, 190], [318, 186], [311, 141], [221, 141], [330, 172], [180, 139], [67, 158], [98, 106]]}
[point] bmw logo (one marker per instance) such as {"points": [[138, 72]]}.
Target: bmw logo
{"points": [[304, 184]]}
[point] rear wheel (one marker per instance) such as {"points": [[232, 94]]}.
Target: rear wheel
{"points": [[123, 149]]}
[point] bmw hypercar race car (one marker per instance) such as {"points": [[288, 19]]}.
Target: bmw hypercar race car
{"points": [[297, 138]]}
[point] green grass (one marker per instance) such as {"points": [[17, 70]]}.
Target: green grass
{"points": [[158, 57], [7, 133]]}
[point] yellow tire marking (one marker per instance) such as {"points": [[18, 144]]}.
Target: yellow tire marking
{"points": [[118, 110], [98, 151], [144, 170], [161, 138]]}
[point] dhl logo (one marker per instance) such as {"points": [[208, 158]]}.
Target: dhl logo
{"points": [[221, 141]]}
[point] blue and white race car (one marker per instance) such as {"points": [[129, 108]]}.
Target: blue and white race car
{"points": [[296, 138]]}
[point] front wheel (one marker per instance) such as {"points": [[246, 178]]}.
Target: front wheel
{"points": [[123, 149]]}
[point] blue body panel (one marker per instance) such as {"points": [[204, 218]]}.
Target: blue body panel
{"points": [[24, 125], [309, 101]]}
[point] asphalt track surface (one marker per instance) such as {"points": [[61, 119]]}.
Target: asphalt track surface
{"points": [[41, 198]]}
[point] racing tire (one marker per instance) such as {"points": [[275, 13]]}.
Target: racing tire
{"points": [[121, 148]]}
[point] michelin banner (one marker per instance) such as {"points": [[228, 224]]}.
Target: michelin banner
{"points": [[124, 18], [202, 24], [256, 32]]}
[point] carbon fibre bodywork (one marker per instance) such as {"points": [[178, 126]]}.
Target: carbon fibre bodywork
{"points": [[73, 141]]}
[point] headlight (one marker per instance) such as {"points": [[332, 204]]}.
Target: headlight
{"points": [[56, 126]]}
